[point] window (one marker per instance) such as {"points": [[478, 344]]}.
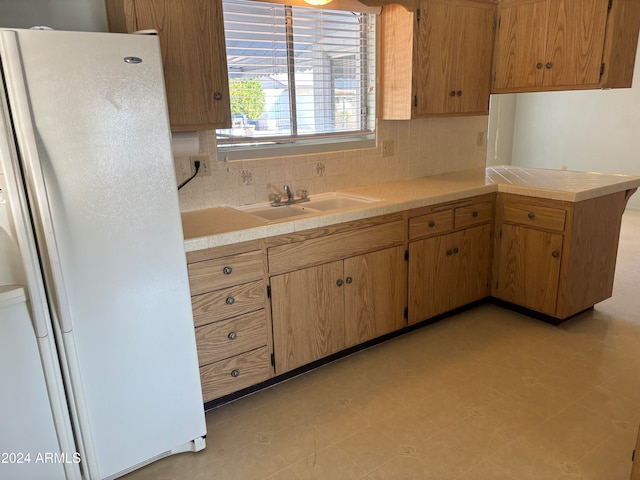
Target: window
{"points": [[298, 73]]}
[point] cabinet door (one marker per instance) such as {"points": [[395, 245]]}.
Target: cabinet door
{"points": [[375, 294], [191, 36], [448, 271], [308, 315], [575, 42], [472, 78], [529, 268], [520, 45]]}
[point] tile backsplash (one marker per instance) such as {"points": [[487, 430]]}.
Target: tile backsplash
{"points": [[421, 147]]}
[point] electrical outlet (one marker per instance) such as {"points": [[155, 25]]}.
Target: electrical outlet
{"points": [[387, 148], [205, 166]]}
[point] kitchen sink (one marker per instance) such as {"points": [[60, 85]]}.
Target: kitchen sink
{"points": [[323, 202]]}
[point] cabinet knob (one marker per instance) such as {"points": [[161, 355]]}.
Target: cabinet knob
{"points": [[459, 93], [474, 214], [217, 96], [432, 224], [230, 301], [339, 282], [456, 250], [452, 93], [531, 215], [539, 66], [555, 254], [349, 280], [549, 65], [235, 373], [449, 253], [232, 335], [227, 270]]}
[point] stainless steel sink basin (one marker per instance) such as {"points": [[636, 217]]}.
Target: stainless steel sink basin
{"points": [[317, 204]]}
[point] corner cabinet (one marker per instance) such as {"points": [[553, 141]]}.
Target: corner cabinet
{"points": [[191, 34], [564, 44], [336, 291], [449, 256], [553, 257], [436, 60]]}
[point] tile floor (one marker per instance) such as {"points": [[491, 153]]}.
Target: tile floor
{"points": [[485, 395]]}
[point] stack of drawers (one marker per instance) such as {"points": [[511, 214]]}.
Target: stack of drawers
{"points": [[231, 323]]}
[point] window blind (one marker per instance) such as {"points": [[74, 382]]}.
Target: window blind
{"points": [[298, 73]]}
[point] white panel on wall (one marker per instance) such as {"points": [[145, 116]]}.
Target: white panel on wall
{"points": [[590, 130], [78, 15]]}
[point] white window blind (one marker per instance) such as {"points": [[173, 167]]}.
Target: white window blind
{"points": [[298, 73]]}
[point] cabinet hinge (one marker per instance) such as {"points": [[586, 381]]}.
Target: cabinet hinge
{"points": [[499, 21], [415, 100], [418, 15], [602, 69], [500, 234], [406, 255], [273, 360], [406, 313], [268, 291], [610, 6]]}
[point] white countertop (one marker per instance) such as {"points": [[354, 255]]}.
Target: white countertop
{"points": [[225, 225]]}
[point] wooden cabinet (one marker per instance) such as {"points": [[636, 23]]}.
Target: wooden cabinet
{"points": [[564, 44], [191, 34], [436, 60], [554, 257], [336, 302], [232, 325], [449, 270]]}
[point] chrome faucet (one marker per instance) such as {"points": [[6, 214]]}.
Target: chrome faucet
{"points": [[289, 193]]}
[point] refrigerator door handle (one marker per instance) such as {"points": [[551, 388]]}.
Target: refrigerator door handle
{"points": [[36, 188]]}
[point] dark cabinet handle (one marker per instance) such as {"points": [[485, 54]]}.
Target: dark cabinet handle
{"points": [[217, 96], [449, 253], [531, 215], [349, 280], [456, 250], [432, 224], [474, 214], [549, 65], [555, 254], [452, 93], [459, 93], [232, 335], [230, 301], [539, 66], [235, 373], [227, 270], [339, 282]]}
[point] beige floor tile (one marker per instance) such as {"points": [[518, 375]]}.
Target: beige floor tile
{"points": [[297, 442], [339, 421], [486, 470], [610, 460], [330, 463], [404, 468], [369, 448], [525, 460], [286, 474], [446, 455], [255, 461]]}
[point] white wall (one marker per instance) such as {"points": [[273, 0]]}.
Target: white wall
{"points": [[591, 130], [502, 114], [79, 15]]}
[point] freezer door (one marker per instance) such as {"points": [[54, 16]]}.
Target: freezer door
{"points": [[102, 187]]}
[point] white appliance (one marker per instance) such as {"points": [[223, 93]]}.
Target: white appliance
{"points": [[85, 150]]}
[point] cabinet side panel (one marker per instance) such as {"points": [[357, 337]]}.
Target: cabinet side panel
{"points": [[621, 43], [592, 249], [395, 62], [121, 16]]}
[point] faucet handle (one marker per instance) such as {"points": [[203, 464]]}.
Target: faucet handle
{"points": [[277, 198], [303, 193]]}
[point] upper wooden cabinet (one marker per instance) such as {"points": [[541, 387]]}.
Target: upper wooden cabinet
{"points": [[436, 60], [193, 49], [565, 44]]}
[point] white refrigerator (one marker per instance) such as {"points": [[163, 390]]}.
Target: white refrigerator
{"points": [[85, 151]]}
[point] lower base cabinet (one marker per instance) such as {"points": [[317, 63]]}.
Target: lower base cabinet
{"points": [[321, 310], [448, 271]]}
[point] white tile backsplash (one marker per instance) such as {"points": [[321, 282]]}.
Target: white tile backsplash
{"points": [[421, 147]]}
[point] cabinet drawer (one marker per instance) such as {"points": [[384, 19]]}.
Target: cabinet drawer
{"points": [[535, 216], [236, 373], [226, 271], [474, 214], [228, 302], [431, 224], [231, 337]]}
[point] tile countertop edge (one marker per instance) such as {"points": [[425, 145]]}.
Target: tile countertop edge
{"points": [[416, 200]]}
